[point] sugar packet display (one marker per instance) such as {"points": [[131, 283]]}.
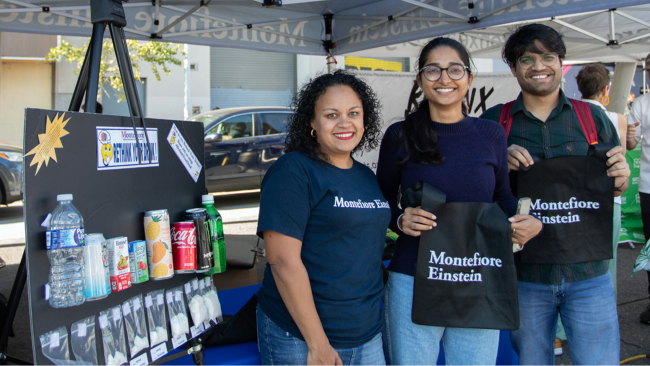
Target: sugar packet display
{"points": [[177, 313], [195, 302], [82, 339], [135, 324], [54, 345], [155, 304], [110, 323], [212, 300]]}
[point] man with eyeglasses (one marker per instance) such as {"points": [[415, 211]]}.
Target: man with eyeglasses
{"points": [[544, 125]]}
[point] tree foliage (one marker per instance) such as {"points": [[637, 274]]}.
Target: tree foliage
{"points": [[156, 54]]}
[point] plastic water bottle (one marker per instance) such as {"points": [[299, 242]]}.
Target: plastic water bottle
{"points": [[64, 242]]}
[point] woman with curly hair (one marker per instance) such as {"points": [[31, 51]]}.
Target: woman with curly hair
{"points": [[467, 159], [323, 220]]}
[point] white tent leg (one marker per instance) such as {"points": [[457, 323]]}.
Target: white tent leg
{"points": [[621, 85]]}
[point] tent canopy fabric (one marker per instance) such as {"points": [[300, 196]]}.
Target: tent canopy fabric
{"points": [[587, 37], [304, 26]]}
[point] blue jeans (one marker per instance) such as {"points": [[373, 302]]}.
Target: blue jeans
{"points": [[278, 347], [407, 343], [588, 312]]}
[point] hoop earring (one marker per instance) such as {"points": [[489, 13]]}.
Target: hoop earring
{"points": [[313, 132], [601, 100]]}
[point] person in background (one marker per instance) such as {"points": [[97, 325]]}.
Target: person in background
{"points": [[545, 125], [593, 83], [639, 120], [323, 219], [464, 157], [630, 100]]}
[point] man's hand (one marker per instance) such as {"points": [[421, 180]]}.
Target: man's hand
{"points": [[517, 154], [618, 167], [632, 131]]}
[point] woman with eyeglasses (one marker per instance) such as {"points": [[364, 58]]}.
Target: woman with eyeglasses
{"points": [[462, 156]]}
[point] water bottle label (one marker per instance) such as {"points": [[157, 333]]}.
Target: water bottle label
{"points": [[64, 238]]}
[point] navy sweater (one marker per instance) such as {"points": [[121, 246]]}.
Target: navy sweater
{"points": [[475, 169]]}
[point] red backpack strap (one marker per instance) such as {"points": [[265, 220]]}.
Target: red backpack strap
{"points": [[505, 119], [583, 111]]}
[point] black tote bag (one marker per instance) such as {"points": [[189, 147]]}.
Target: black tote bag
{"points": [[465, 275], [574, 198]]}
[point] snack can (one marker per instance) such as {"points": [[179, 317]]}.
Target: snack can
{"points": [[118, 263], [184, 246], [159, 248], [138, 261], [204, 253]]}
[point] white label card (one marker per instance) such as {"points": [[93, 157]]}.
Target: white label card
{"points": [[159, 300], [158, 351], [184, 153], [179, 341], [126, 309], [54, 339], [178, 296], [117, 148], [188, 289], [170, 298], [195, 284], [197, 330], [141, 360], [147, 301], [201, 285], [136, 304], [116, 314], [81, 330], [103, 322], [47, 291]]}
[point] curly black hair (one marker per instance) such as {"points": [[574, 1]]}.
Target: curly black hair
{"points": [[304, 104]]}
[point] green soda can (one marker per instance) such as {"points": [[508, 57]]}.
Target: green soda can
{"points": [[215, 229]]}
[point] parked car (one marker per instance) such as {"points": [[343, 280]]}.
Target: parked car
{"points": [[241, 144], [11, 172]]}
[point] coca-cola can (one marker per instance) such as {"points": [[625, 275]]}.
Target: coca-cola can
{"points": [[184, 246], [204, 253]]}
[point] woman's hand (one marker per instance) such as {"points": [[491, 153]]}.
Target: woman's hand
{"points": [[323, 356], [524, 228], [415, 220]]}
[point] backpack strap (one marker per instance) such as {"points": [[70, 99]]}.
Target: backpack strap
{"points": [[583, 111], [505, 119]]}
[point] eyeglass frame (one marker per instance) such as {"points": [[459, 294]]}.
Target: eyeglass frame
{"points": [[557, 57], [466, 70]]}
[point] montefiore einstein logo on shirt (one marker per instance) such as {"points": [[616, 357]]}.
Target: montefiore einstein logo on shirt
{"points": [[341, 202]]}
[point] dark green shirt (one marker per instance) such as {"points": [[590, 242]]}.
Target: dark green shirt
{"points": [[560, 135]]}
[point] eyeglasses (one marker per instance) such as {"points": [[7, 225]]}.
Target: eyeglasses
{"points": [[433, 73], [527, 61]]}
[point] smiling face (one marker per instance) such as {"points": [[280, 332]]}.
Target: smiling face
{"points": [[539, 79], [338, 121], [445, 93]]}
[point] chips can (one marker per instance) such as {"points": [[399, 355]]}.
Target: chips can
{"points": [[159, 249], [184, 247], [204, 253]]}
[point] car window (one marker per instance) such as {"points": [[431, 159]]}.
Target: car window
{"points": [[273, 123], [234, 127]]}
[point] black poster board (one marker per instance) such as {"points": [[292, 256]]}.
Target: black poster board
{"points": [[111, 202]]}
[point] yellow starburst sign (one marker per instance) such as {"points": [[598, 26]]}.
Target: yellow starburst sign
{"points": [[48, 141]]}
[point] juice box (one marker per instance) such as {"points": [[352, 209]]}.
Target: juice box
{"points": [[138, 261], [118, 263]]}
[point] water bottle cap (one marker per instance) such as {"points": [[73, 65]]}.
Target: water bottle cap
{"points": [[64, 197], [207, 198]]}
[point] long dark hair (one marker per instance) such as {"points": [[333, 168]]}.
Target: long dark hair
{"points": [[299, 129], [417, 136]]}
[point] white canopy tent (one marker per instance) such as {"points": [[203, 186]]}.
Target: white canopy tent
{"points": [[345, 26]]}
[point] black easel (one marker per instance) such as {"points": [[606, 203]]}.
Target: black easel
{"points": [[103, 13]]}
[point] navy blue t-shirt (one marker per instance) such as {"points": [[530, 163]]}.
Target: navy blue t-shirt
{"points": [[341, 216]]}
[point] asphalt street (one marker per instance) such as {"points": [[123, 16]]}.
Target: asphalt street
{"points": [[240, 213]]}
